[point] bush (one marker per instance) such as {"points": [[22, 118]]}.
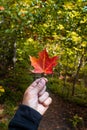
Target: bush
{"points": [[56, 86]]}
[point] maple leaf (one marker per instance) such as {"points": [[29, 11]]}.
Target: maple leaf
{"points": [[43, 64]]}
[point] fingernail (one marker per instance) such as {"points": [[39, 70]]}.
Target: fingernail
{"points": [[45, 79]]}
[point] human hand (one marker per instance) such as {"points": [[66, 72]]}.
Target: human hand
{"points": [[37, 97]]}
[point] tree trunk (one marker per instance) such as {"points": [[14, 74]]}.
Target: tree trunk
{"points": [[64, 84], [76, 75]]}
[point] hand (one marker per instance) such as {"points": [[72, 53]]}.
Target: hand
{"points": [[36, 96]]}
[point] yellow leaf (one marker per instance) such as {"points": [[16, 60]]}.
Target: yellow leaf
{"points": [[2, 89], [60, 27], [84, 44], [68, 5]]}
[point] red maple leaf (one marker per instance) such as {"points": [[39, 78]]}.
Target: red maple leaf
{"points": [[43, 64]]}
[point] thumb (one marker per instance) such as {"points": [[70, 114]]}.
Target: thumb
{"points": [[41, 83], [38, 85]]}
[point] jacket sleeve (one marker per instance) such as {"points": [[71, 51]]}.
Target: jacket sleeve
{"points": [[25, 118]]}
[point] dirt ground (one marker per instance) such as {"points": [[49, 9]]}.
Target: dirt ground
{"points": [[59, 114]]}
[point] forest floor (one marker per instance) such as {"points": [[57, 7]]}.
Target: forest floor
{"points": [[61, 114]]}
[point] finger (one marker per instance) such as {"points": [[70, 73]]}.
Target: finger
{"points": [[34, 84], [37, 83], [43, 97], [40, 85], [42, 91], [47, 102], [35, 88]]}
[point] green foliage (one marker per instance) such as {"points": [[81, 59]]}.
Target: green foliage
{"points": [[59, 26], [10, 108], [57, 86], [76, 120], [8, 112], [3, 126], [16, 83]]}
